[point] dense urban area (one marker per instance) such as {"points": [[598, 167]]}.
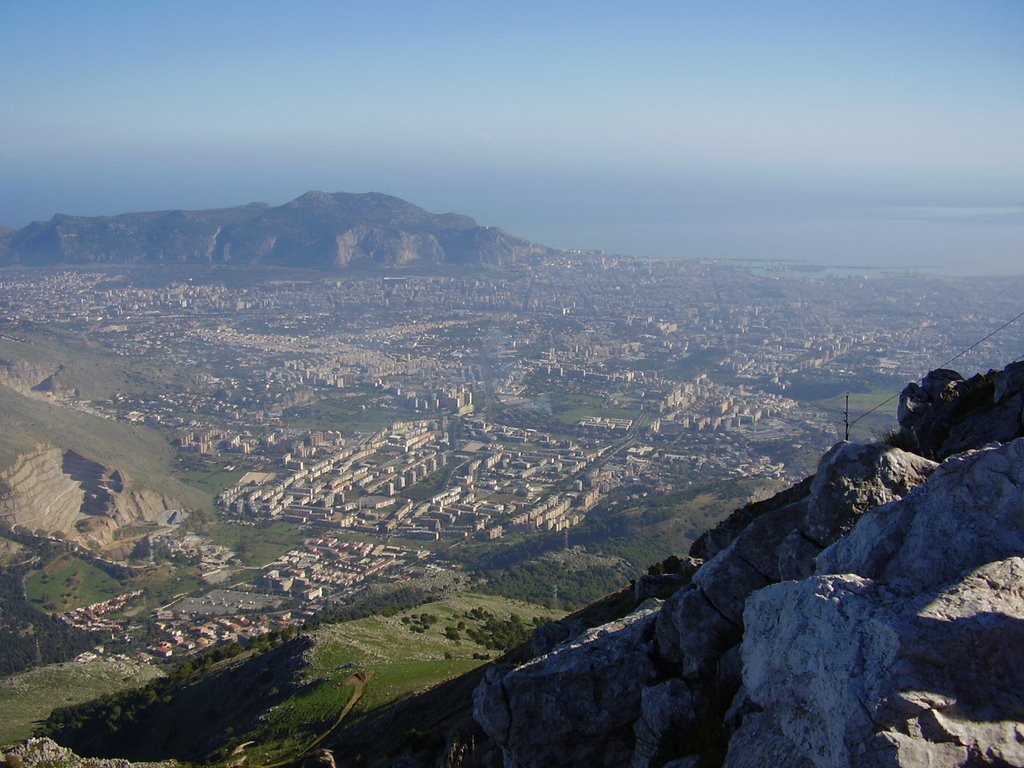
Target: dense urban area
{"points": [[388, 423]]}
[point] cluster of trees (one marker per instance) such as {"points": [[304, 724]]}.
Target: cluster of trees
{"points": [[383, 600], [28, 637], [497, 634], [548, 582], [420, 622]]}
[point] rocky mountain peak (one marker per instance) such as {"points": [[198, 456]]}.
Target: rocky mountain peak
{"points": [[318, 230]]}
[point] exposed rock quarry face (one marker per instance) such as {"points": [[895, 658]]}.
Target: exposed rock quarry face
{"points": [[874, 614], [57, 490]]}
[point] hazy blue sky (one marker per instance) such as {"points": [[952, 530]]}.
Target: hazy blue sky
{"points": [[877, 131]]}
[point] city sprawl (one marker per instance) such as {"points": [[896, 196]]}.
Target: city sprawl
{"points": [[388, 421]]}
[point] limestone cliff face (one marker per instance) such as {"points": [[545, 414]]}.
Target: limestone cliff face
{"points": [[870, 616], [58, 490]]}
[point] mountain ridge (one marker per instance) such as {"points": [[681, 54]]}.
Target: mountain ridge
{"points": [[319, 230]]}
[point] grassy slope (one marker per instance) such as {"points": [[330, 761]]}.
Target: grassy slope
{"points": [[29, 696], [68, 582], [88, 367], [423, 720], [288, 699], [405, 661]]}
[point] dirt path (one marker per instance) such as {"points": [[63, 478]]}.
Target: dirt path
{"points": [[358, 681]]}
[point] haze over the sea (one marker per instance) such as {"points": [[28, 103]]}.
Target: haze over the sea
{"points": [[873, 133]]}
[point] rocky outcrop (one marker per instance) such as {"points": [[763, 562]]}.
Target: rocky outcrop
{"points": [[575, 706], [46, 753], [28, 378], [841, 623], [905, 651], [60, 491], [946, 414]]}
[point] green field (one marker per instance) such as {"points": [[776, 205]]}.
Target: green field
{"points": [[296, 724], [352, 412], [569, 407], [256, 546], [211, 481], [29, 696], [68, 582]]}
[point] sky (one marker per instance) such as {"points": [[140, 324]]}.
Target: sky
{"points": [[873, 133]]}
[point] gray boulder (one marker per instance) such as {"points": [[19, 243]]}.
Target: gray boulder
{"points": [[852, 479], [852, 672], [575, 706], [947, 414], [666, 708], [904, 651], [971, 511]]}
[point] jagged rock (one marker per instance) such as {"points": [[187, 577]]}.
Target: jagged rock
{"points": [[969, 512], [853, 478], [727, 580], [665, 708], [575, 706], [761, 742], [990, 421], [905, 651], [691, 632], [947, 414], [917, 400], [729, 675], [1008, 382], [553, 633], [660, 584], [796, 555], [853, 672], [759, 545], [696, 626]]}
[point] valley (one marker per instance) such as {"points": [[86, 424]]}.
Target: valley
{"points": [[415, 468]]}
